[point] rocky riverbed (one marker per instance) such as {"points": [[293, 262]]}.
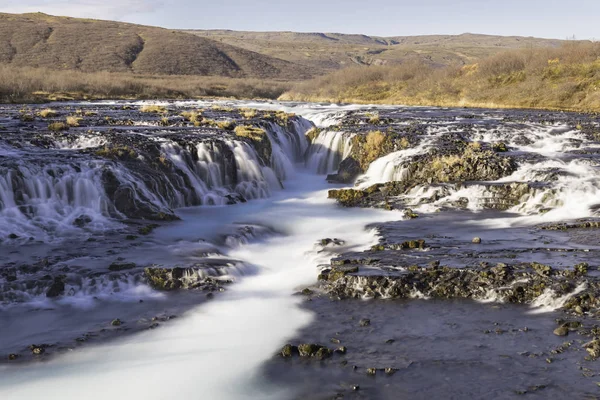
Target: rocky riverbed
{"points": [[459, 245]]}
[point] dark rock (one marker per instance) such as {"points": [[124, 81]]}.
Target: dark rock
{"points": [[289, 351], [116, 266], [56, 289], [364, 322]]}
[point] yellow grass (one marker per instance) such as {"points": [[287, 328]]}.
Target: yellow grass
{"points": [[566, 78]]}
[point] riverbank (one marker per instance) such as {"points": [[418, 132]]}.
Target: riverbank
{"points": [[564, 78]]}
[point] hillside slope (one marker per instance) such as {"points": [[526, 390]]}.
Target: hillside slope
{"points": [[331, 51], [43, 41]]}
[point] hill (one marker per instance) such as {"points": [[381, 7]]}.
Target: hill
{"points": [[44, 41], [324, 52], [566, 77]]}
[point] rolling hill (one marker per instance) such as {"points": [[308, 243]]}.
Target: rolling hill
{"points": [[44, 41], [323, 52]]}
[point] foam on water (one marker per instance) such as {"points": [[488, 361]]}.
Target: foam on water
{"points": [[207, 344]]}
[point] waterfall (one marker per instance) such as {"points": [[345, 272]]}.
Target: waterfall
{"points": [[47, 193], [328, 149]]}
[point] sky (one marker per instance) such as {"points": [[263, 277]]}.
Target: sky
{"points": [[541, 18]]}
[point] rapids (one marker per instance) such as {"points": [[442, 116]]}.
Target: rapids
{"points": [[248, 220]]}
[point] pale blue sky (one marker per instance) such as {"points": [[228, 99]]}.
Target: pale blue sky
{"points": [[542, 18]]}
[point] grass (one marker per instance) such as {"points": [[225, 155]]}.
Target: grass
{"points": [[47, 113], [250, 132], [73, 121], [153, 108], [226, 125], [35, 85], [191, 116], [567, 77], [248, 113], [58, 126]]}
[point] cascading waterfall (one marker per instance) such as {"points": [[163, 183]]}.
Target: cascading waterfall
{"points": [[72, 188], [328, 149]]}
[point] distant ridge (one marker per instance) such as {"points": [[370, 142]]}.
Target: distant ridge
{"points": [[330, 51]]}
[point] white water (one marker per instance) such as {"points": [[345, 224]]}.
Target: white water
{"points": [[216, 350]]}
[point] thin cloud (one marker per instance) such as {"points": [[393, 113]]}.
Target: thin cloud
{"points": [[101, 9]]}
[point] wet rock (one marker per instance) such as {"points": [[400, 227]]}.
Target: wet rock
{"points": [[593, 348], [348, 171], [314, 350], [117, 266], [56, 289], [332, 242], [561, 331], [179, 278], [364, 322], [371, 371], [12, 357], [147, 229], [289, 351], [476, 240], [341, 350], [116, 322], [82, 221], [339, 271], [38, 349], [410, 214]]}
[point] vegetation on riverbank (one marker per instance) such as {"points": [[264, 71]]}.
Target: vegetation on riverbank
{"points": [[27, 85], [567, 77]]}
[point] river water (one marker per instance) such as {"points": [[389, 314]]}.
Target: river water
{"points": [[216, 348]]}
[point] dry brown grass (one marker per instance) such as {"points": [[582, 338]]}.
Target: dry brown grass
{"points": [[567, 77], [20, 85]]}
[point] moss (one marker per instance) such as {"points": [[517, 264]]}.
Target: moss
{"points": [[283, 118], [58, 126], [118, 152], [191, 116], [259, 139], [248, 113], [153, 108], [499, 147], [374, 119], [47, 113], [226, 125], [367, 148], [347, 197], [73, 121], [312, 134]]}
